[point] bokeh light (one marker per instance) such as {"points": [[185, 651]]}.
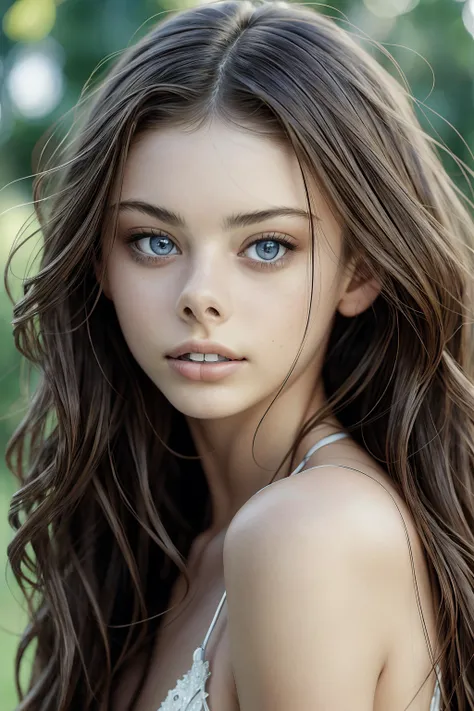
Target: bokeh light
{"points": [[35, 82], [468, 16], [390, 8], [29, 20]]}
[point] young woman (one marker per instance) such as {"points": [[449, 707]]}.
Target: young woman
{"points": [[247, 472]]}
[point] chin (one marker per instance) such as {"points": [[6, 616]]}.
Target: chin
{"points": [[206, 406]]}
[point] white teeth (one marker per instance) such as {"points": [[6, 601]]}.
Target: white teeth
{"points": [[208, 357], [196, 356]]}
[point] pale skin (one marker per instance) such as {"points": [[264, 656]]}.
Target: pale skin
{"points": [[337, 635]]}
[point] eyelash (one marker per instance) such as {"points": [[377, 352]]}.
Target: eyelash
{"points": [[266, 237]]}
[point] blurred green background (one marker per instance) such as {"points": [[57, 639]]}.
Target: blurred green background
{"points": [[48, 50]]}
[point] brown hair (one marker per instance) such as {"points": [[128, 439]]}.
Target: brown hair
{"points": [[105, 506]]}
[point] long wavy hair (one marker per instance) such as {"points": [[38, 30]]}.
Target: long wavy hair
{"points": [[111, 493]]}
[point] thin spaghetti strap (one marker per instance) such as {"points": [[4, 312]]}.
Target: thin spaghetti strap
{"points": [[436, 698], [213, 623], [322, 442], [325, 440]]}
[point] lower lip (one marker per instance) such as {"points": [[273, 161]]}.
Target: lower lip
{"points": [[208, 372]]}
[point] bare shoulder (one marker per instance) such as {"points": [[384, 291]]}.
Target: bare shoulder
{"points": [[346, 512], [355, 501], [316, 564]]}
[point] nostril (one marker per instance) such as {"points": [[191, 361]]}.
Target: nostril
{"points": [[197, 313]]}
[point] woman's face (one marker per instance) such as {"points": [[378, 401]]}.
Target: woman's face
{"points": [[211, 271]]}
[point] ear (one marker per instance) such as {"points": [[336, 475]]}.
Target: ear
{"points": [[360, 290]]}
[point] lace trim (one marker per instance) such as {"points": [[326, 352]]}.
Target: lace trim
{"points": [[190, 692]]}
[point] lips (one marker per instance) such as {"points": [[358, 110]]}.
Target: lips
{"points": [[203, 347], [205, 372]]}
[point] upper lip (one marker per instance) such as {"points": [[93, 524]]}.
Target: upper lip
{"points": [[203, 347]]}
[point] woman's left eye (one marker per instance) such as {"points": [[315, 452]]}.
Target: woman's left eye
{"points": [[266, 249]]}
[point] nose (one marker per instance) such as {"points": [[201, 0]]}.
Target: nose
{"points": [[204, 299]]}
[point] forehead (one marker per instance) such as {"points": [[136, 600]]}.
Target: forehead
{"points": [[218, 166]]}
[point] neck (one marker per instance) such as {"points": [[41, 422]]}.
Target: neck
{"points": [[225, 448]]}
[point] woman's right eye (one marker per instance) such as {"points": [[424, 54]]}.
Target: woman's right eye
{"points": [[155, 245]]}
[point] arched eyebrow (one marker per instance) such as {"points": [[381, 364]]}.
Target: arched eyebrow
{"points": [[238, 219]]}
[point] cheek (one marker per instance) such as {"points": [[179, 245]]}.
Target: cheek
{"points": [[274, 318], [281, 317], [142, 303]]}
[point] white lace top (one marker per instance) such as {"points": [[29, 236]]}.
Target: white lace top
{"points": [[190, 693]]}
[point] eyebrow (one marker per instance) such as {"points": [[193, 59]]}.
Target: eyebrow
{"points": [[238, 219]]}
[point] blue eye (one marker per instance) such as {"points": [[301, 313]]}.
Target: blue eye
{"points": [[271, 250], [159, 243], [162, 246], [267, 249]]}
